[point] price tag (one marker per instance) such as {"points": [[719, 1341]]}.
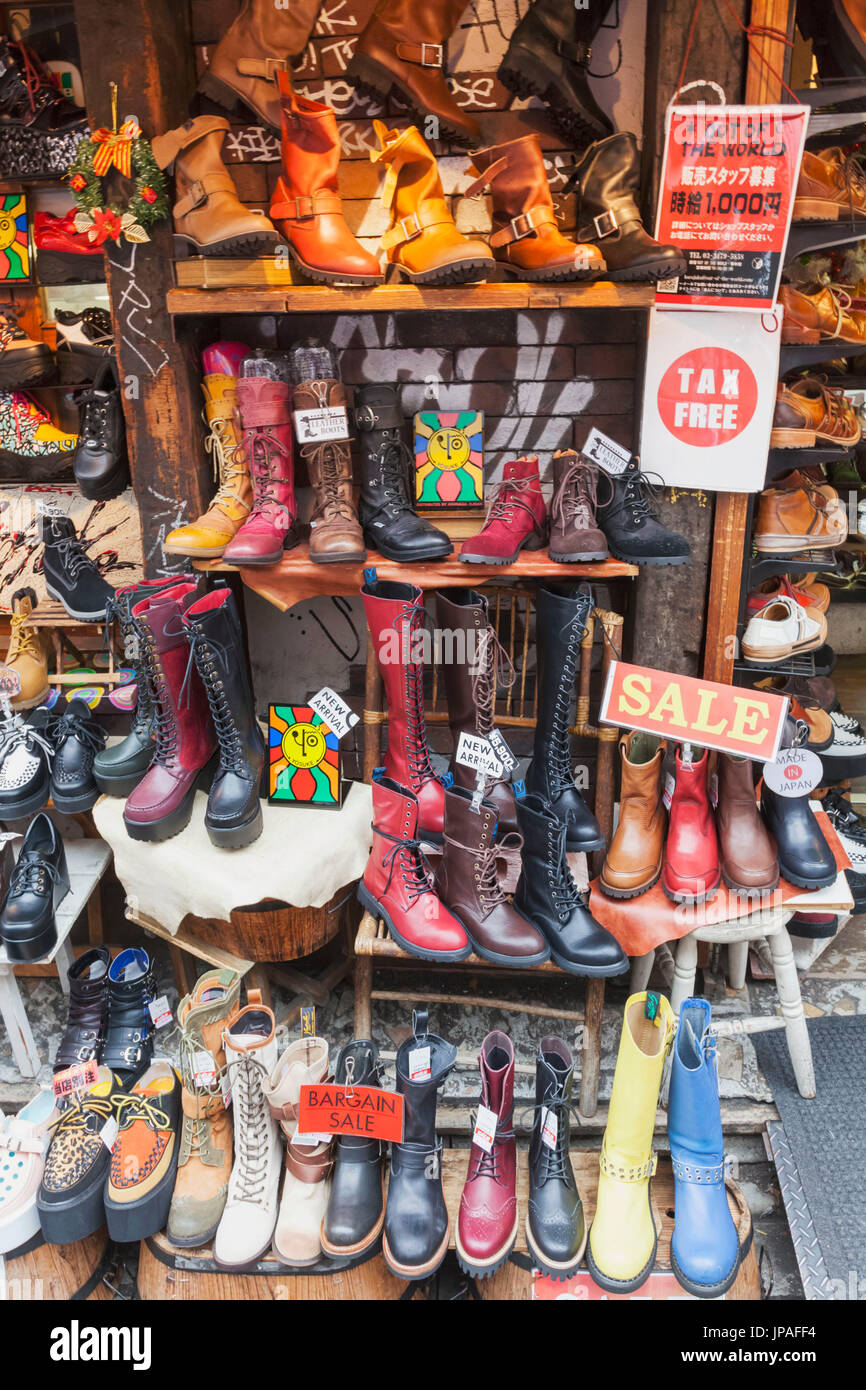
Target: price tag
{"points": [[502, 751], [321, 426], [203, 1069], [226, 1089], [609, 455], [796, 772], [477, 753], [76, 1078], [335, 712], [668, 793], [160, 1011], [419, 1064], [309, 1141], [485, 1128], [549, 1128], [108, 1133]]}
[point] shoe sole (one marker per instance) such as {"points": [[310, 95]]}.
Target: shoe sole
{"points": [[122, 786], [533, 542], [360, 1247], [113, 486], [786, 545], [580, 847], [659, 560], [800, 882], [531, 79], [591, 557], [743, 891], [333, 277], [683, 895], [17, 810], [707, 1290], [224, 95], [153, 832], [415, 1271], [77, 1217], [19, 1230], [496, 957], [41, 468], [366, 899], [34, 700], [473, 271], [27, 373], [586, 971], [556, 1270], [624, 893], [611, 1285], [482, 1269], [213, 552], [233, 1267], [75, 805], [758, 655], [368, 77], [552, 274], [352, 557], [252, 245], [77, 368], [192, 1242], [136, 1220], [26, 950], [648, 274], [236, 837], [75, 613], [389, 553]]}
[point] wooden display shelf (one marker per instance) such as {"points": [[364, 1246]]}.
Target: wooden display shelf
{"points": [[306, 299], [295, 579]]}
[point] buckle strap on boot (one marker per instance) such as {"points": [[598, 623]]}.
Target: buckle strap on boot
{"points": [[618, 214], [427, 55], [310, 1167], [409, 227], [377, 417], [262, 67], [167, 147], [525, 224], [306, 208], [201, 190], [622, 1172], [692, 1172]]}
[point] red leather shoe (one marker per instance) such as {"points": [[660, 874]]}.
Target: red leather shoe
{"points": [[397, 885], [63, 255], [691, 871], [265, 412], [395, 617], [487, 1220], [517, 517]]}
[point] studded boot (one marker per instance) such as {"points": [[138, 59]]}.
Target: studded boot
{"points": [[88, 1006], [391, 524], [128, 1045]]}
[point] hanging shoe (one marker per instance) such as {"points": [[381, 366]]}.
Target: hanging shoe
{"points": [[335, 532], [27, 653], [385, 507], [65, 256], [575, 535], [488, 1218], [40, 882], [555, 1224], [548, 57], [32, 448], [265, 413], [633, 862], [23, 362], [24, 1140], [101, 463], [85, 343], [144, 1158], [356, 1203], [691, 872], [40, 129], [306, 1185], [128, 1044], [83, 1035], [76, 739], [258, 45], [71, 576], [516, 517], [622, 1239], [634, 532]]}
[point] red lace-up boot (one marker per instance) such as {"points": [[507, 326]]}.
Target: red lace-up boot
{"points": [[265, 413], [487, 1221], [517, 517], [691, 871]]}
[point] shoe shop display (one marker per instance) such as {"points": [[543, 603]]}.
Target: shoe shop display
{"points": [[85, 343], [516, 518], [555, 1225], [488, 1218], [804, 856], [826, 316], [40, 129], [335, 532], [65, 256], [23, 362], [830, 187], [782, 629], [634, 532], [40, 882], [386, 511], [845, 756], [128, 1044], [575, 534], [144, 1158], [259, 43], [25, 768], [415, 1238], [356, 1202], [622, 1238], [809, 596], [24, 1139], [76, 738], [71, 1198], [422, 241], [209, 218], [851, 830], [809, 412], [548, 57], [306, 205], [84, 1034], [101, 463], [809, 690], [32, 448], [633, 862], [204, 1161], [306, 1185], [691, 872], [264, 404], [705, 1248], [747, 859], [526, 239], [27, 653], [71, 576], [792, 520]]}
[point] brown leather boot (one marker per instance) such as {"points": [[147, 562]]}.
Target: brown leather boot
{"points": [[335, 532], [422, 241], [468, 884], [209, 218], [633, 861], [574, 531], [525, 236], [830, 185], [746, 854], [402, 49], [253, 50]]}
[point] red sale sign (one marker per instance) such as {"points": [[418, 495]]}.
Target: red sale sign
{"points": [[726, 197]]}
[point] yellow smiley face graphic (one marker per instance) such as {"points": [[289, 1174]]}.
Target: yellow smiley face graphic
{"points": [[304, 745], [448, 448], [7, 230]]}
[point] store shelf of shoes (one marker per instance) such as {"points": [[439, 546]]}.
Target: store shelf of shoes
{"points": [[288, 299]]}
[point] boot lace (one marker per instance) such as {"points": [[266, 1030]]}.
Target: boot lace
{"points": [[407, 623], [574, 630], [491, 667], [394, 464], [576, 498], [267, 453], [204, 653], [415, 870], [228, 463], [32, 874], [61, 727], [118, 609], [74, 560], [251, 1128], [22, 641], [40, 90], [80, 1109], [327, 462], [556, 1163], [94, 407], [166, 724], [18, 735], [140, 1107], [508, 496], [850, 175], [639, 494], [487, 1165], [564, 891]]}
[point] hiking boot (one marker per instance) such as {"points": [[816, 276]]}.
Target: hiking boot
{"points": [[574, 532], [516, 517], [634, 532], [27, 654]]}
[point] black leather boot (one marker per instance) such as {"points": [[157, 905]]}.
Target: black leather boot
{"points": [[40, 882], [548, 895], [805, 858], [234, 813], [561, 615], [549, 56], [555, 1227], [88, 1003], [128, 1045], [356, 1203], [416, 1218], [76, 738], [100, 464], [71, 575], [634, 532], [385, 510], [606, 180]]}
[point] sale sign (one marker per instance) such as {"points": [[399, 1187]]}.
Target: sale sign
{"points": [[727, 193], [684, 709], [365, 1111]]}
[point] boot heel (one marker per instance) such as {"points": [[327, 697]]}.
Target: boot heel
{"points": [[523, 74], [221, 93], [537, 540], [364, 72]]}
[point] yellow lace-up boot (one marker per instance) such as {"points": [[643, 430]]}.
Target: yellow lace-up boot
{"points": [[27, 655]]}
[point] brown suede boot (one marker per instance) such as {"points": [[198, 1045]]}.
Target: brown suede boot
{"points": [[335, 532], [574, 532], [257, 46], [633, 861], [209, 218]]}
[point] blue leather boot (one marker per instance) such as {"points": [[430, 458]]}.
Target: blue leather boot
{"points": [[705, 1249]]}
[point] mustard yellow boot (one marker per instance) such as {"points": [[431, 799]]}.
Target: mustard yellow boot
{"points": [[623, 1237], [27, 656], [422, 240], [207, 537]]}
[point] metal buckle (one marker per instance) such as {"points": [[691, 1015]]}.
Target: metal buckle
{"points": [[304, 216], [605, 223], [524, 221], [406, 222], [439, 60], [365, 417]]}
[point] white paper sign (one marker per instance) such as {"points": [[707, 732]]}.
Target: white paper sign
{"points": [[612, 457], [709, 396], [796, 772], [321, 426], [477, 753], [485, 1128], [419, 1064], [160, 1011], [335, 712]]}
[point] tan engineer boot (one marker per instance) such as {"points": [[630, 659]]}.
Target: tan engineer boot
{"points": [[253, 50]]}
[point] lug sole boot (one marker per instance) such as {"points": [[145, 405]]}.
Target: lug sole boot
{"points": [[555, 1224], [805, 858], [488, 1219], [691, 872], [705, 1247], [335, 532], [548, 57], [308, 1166], [27, 654], [633, 863], [422, 241], [356, 1206], [746, 855], [252, 51], [82, 1038], [385, 508], [516, 518], [634, 532], [415, 1241], [623, 1238], [575, 535], [395, 618], [264, 408], [209, 218]]}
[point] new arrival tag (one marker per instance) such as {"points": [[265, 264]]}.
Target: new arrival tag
{"points": [[609, 455], [475, 752], [336, 713], [796, 772], [365, 1111], [321, 426]]}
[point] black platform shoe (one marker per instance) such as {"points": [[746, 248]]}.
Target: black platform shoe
{"points": [[40, 882]]}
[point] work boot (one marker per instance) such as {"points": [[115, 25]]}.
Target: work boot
{"points": [[385, 508], [306, 1186], [516, 517], [335, 532], [634, 532], [607, 180], [71, 576], [23, 362], [27, 654], [548, 896], [395, 617], [575, 535], [356, 1205], [561, 616], [233, 818], [622, 1239], [470, 689], [205, 1159], [101, 463], [397, 886], [468, 883], [416, 1218], [555, 1225], [162, 802], [265, 411], [705, 1248], [549, 56], [746, 855], [209, 218], [691, 872], [40, 129], [526, 239], [253, 50], [422, 240], [402, 51], [633, 862], [488, 1217], [87, 978], [306, 205], [128, 1044], [207, 537]]}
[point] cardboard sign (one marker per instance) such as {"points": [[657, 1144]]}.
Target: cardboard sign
{"points": [[321, 426], [304, 758], [365, 1111], [329, 706], [686, 710], [726, 197], [75, 1078]]}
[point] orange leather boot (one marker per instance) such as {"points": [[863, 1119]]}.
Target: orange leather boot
{"points": [[423, 242], [307, 205], [525, 236]]}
